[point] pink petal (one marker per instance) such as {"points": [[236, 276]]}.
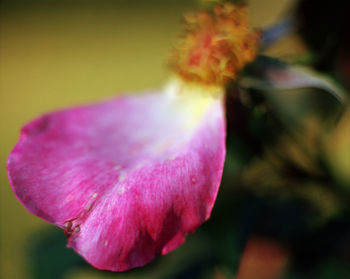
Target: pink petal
{"points": [[127, 178]]}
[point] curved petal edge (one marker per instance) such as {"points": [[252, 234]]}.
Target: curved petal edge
{"points": [[127, 178]]}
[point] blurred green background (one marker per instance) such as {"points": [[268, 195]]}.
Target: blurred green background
{"points": [[55, 54]]}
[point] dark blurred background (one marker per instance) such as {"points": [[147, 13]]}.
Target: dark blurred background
{"points": [[61, 53]]}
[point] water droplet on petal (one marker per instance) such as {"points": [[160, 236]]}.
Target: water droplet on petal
{"points": [[121, 190], [88, 207], [122, 178], [117, 167]]}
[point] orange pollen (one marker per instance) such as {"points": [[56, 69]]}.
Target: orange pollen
{"points": [[216, 46]]}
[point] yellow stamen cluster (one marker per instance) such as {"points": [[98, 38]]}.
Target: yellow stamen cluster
{"points": [[216, 46]]}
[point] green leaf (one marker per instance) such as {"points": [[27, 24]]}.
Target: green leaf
{"points": [[271, 74]]}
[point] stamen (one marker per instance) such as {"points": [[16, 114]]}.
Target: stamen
{"points": [[217, 45]]}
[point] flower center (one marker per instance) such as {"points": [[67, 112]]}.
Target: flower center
{"points": [[216, 46]]}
